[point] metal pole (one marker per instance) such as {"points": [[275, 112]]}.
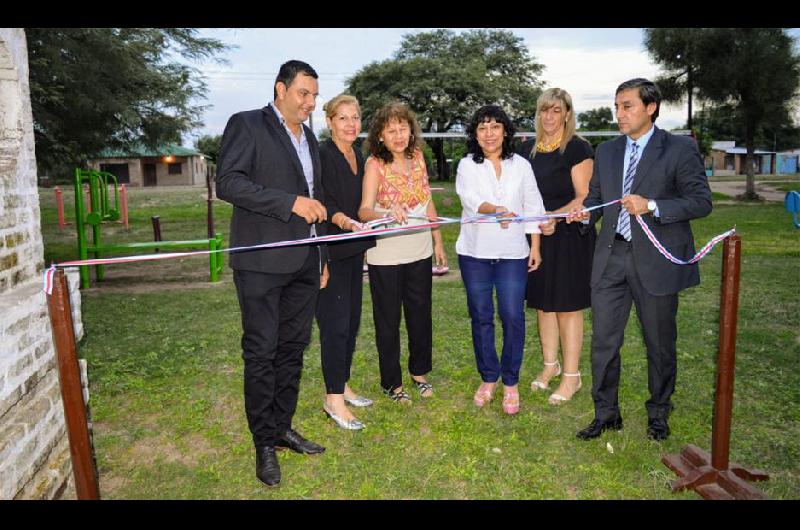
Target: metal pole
{"points": [[71, 392], [123, 197], [729, 307], [210, 220]]}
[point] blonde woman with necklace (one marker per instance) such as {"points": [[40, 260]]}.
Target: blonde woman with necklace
{"points": [[396, 184], [559, 290]]}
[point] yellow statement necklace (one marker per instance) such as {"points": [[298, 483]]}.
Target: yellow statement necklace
{"points": [[548, 148]]}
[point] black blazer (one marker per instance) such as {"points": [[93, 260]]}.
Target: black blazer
{"points": [[260, 173], [671, 172], [342, 194]]}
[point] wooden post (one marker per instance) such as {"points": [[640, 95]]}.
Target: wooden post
{"points": [[71, 392], [60, 208], [726, 357], [712, 476], [156, 229]]}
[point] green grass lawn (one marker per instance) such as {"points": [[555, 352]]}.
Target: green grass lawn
{"points": [[165, 375], [791, 186]]}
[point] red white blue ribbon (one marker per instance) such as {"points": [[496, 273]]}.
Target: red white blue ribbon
{"points": [[48, 279], [666, 253], [374, 231]]}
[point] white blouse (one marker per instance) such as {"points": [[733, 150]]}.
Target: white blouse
{"points": [[516, 189]]}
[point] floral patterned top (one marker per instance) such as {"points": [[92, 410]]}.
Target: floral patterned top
{"points": [[396, 186]]}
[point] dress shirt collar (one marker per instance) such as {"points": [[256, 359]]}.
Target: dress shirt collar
{"points": [[642, 141]]}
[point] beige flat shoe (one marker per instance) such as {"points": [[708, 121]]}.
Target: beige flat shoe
{"points": [[537, 385], [558, 399]]}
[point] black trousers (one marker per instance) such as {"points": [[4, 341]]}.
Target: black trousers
{"points": [[393, 287], [611, 306], [338, 319], [277, 310]]}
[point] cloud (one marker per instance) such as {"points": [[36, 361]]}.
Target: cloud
{"points": [[592, 76], [588, 63]]}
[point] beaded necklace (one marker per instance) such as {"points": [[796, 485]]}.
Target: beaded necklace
{"points": [[549, 148]]}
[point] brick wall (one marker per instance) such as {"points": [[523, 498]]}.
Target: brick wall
{"points": [[34, 450]]}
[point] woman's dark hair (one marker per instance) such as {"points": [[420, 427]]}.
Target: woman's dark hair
{"points": [[394, 110], [485, 114]]}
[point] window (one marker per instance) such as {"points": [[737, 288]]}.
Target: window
{"points": [[120, 171], [174, 169], [729, 163]]}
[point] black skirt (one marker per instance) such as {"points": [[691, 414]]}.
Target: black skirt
{"points": [[561, 284]]}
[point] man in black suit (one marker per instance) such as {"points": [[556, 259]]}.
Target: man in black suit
{"points": [[269, 169], [661, 178]]}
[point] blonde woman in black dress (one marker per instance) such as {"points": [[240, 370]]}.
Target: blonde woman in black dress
{"points": [[559, 290]]}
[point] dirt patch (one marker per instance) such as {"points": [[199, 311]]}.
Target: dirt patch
{"points": [[451, 276], [110, 485], [155, 276], [150, 450], [737, 188], [231, 413]]}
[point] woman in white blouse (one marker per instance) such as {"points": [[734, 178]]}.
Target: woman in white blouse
{"points": [[492, 179]]}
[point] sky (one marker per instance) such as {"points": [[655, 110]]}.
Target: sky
{"points": [[589, 63]]}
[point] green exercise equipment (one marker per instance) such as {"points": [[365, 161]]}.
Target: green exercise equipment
{"points": [[101, 211]]}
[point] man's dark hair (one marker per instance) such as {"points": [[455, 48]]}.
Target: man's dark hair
{"points": [[648, 93], [289, 71], [485, 114]]}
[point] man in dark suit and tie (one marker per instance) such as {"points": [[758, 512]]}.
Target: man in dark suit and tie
{"points": [[269, 169], [660, 177]]}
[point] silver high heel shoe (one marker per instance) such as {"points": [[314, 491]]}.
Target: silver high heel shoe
{"points": [[350, 425], [358, 401]]}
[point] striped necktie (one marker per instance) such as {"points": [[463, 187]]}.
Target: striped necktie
{"points": [[624, 221]]}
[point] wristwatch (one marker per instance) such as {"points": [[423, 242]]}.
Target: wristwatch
{"points": [[651, 205]]}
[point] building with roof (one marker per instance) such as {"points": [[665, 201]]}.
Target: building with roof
{"points": [[727, 159], [168, 165], [789, 161]]}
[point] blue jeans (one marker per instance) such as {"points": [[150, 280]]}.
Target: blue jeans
{"points": [[509, 277]]}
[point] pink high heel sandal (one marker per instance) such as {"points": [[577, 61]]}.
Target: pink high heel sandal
{"points": [[511, 402], [483, 395]]}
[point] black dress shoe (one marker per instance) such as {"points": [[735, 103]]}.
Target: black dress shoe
{"points": [[268, 470], [293, 440], [597, 427], [657, 429]]}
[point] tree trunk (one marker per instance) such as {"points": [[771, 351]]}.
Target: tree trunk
{"points": [[441, 164], [750, 188], [690, 89]]}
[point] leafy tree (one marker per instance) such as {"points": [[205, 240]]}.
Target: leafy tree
{"points": [[677, 51], [209, 146], [755, 72], [722, 122], [93, 88], [600, 119], [444, 77]]}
